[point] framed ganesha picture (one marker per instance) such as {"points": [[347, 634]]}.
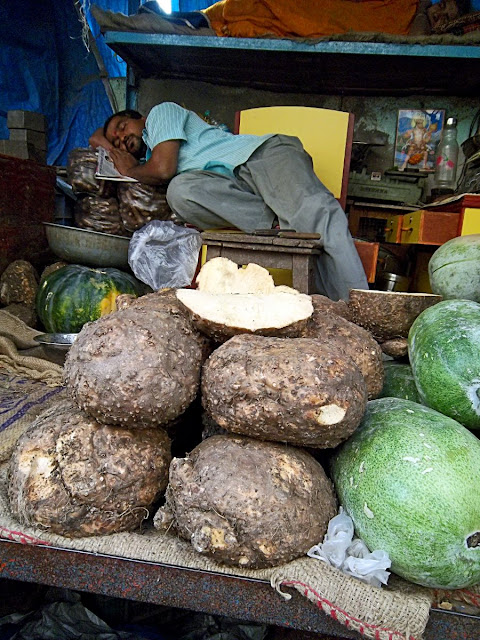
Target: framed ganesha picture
{"points": [[418, 133]]}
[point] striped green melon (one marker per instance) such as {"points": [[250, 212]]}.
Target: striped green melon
{"points": [[409, 479], [398, 381], [454, 268], [73, 295], [444, 352]]}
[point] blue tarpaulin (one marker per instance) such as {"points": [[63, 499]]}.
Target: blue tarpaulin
{"points": [[46, 67]]}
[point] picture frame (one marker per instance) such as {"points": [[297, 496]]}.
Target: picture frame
{"points": [[418, 134]]}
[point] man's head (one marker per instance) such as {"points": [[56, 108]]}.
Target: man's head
{"points": [[124, 130]]}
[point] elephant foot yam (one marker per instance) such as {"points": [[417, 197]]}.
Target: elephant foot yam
{"points": [[248, 503], [72, 476], [298, 391], [388, 314]]}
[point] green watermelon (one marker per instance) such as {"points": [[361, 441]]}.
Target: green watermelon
{"points": [[454, 269], [73, 295], [444, 352], [409, 478], [398, 382]]}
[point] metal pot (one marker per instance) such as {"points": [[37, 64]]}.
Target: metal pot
{"points": [[392, 282], [91, 248]]}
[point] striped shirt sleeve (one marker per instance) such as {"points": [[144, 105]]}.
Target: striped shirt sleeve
{"points": [[165, 121]]}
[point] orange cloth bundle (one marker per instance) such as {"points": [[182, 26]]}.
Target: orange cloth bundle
{"points": [[309, 19]]}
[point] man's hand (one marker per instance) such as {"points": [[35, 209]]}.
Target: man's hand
{"points": [[97, 139], [123, 161]]}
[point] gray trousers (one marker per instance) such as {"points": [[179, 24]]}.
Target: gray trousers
{"points": [[276, 181]]}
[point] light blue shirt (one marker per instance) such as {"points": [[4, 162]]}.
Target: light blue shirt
{"points": [[202, 146]]}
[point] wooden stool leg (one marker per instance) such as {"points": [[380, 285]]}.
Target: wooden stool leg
{"points": [[303, 275]]}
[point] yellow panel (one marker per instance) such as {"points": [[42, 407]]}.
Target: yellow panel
{"points": [[323, 133], [203, 256], [411, 227], [471, 221], [281, 276]]}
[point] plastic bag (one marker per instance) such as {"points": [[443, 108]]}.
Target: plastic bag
{"points": [[163, 254], [351, 555]]}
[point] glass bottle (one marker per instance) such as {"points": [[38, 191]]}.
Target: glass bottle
{"points": [[447, 159]]}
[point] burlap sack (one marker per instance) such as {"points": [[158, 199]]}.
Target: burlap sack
{"points": [[21, 355], [21, 401]]}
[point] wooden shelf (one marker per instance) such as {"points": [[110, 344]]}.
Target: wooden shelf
{"points": [[324, 67], [218, 594]]}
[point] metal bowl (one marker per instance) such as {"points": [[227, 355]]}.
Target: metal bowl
{"points": [[91, 248], [56, 341]]}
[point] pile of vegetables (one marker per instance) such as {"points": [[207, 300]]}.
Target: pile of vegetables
{"points": [[286, 382]]}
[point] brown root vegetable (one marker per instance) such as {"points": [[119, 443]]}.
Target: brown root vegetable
{"points": [[137, 367], [388, 314], [223, 315], [231, 300], [322, 304], [353, 341], [248, 503], [51, 268], [163, 299], [19, 283], [395, 348], [74, 477], [155, 300], [297, 391]]}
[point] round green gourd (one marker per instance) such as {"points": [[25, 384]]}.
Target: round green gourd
{"points": [[454, 269], [409, 477], [73, 295], [398, 382], [444, 353]]}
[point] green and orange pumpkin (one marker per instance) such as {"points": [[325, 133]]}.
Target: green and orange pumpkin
{"points": [[75, 294]]}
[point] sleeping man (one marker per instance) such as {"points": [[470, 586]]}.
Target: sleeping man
{"points": [[217, 179]]}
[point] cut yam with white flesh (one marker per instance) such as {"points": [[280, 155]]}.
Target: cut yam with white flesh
{"points": [[221, 275], [223, 315], [388, 314]]}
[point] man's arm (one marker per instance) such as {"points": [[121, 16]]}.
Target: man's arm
{"points": [[97, 139], [158, 169]]}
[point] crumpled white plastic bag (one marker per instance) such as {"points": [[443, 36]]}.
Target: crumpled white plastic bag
{"points": [[163, 254], [341, 550]]}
